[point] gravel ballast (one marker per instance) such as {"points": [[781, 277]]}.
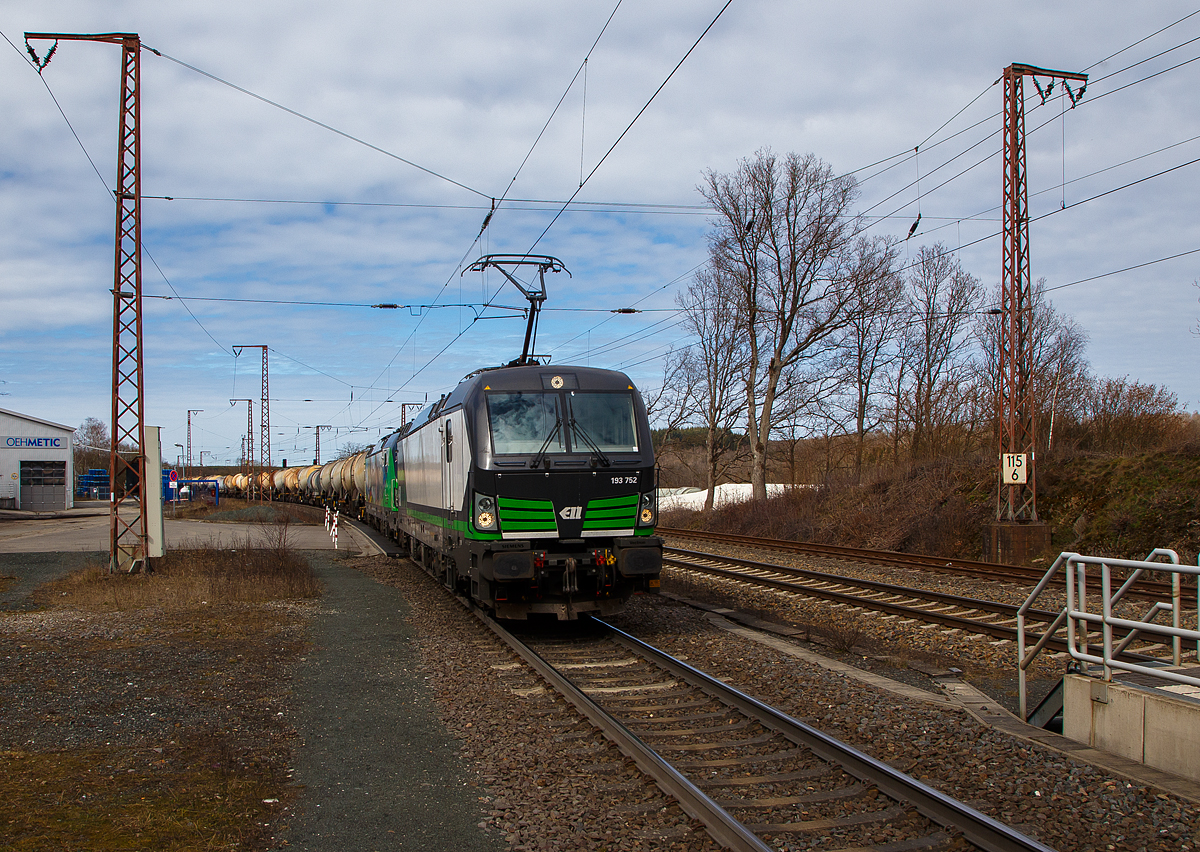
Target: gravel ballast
{"points": [[555, 785]]}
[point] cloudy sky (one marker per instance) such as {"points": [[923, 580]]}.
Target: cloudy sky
{"points": [[433, 110]]}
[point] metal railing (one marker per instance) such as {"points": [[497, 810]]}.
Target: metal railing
{"points": [[1081, 622]]}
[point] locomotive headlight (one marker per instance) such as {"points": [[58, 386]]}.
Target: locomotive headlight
{"points": [[646, 510], [485, 512]]}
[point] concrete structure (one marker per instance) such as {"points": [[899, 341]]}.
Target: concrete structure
{"points": [[35, 463], [1157, 726]]}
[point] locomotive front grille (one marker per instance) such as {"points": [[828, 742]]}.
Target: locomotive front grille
{"points": [[526, 516], [611, 513]]}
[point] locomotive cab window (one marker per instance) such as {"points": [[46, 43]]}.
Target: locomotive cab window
{"points": [[525, 423], [605, 420]]}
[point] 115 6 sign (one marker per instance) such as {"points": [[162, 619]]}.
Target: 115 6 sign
{"points": [[1013, 470]]}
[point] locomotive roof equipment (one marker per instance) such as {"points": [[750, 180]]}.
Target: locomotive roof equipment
{"points": [[545, 264]]}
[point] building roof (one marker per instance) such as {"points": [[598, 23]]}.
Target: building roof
{"points": [[38, 420]]}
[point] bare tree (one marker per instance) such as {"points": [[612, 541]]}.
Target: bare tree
{"points": [[803, 413], [782, 237], [942, 301], [868, 344], [1061, 376], [671, 405], [91, 445], [718, 360], [1128, 416]]}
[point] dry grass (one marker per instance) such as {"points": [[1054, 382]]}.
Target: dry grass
{"points": [[205, 627], [265, 570], [235, 510], [173, 798]]}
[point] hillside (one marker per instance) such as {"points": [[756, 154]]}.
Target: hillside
{"points": [[1095, 504]]}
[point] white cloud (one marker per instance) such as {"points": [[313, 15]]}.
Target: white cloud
{"points": [[463, 89]]}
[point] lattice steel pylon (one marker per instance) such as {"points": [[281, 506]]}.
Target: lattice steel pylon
{"points": [[317, 429], [248, 455], [1017, 497], [128, 534], [188, 463], [264, 420]]}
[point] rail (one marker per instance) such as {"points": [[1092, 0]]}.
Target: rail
{"points": [[726, 830], [978, 828], [1079, 620], [967, 567]]}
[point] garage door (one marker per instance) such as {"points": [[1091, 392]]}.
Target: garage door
{"points": [[43, 485]]}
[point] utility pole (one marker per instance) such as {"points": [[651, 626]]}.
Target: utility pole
{"points": [[264, 445], [248, 453], [188, 463], [317, 429], [1018, 535], [127, 535]]}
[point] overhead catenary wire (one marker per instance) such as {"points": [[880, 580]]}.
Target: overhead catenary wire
{"points": [[58, 106], [325, 126], [590, 174], [978, 217], [587, 206], [902, 156], [1091, 100], [632, 122], [495, 203], [914, 153], [919, 194]]}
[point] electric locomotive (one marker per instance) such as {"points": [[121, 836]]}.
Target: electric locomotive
{"points": [[531, 488]]}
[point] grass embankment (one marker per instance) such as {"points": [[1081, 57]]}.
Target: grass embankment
{"points": [[144, 711], [1097, 504]]}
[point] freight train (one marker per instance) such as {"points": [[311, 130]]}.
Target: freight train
{"points": [[530, 488]]}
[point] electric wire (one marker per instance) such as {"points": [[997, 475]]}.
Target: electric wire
{"points": [[1044, 124], [71, 127], [670, 283], [195, 319], [309, 366], [903, 156], [351, 137], [488, 218], [1125, 269], [553, 112], [640, 112], [589, 206], [629, 127], [978, 217], [1143, 39]]}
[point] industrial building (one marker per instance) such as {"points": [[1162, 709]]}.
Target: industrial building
{"points": [[35, 463]]}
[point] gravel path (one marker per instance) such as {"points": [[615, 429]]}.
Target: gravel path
{"points": [[377, 768]]}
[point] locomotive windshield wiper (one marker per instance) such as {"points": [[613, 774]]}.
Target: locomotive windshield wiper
{"points": [[576, 429], [537, 459]]}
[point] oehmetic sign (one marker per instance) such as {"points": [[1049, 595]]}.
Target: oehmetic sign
{"points": [[21, 443]]}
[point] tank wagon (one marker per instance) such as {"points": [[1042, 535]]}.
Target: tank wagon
{"points": [[530, 488]]}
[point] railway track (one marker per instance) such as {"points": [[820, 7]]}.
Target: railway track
{"points": [[965, 567], [753, 775], [970, 615]]}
